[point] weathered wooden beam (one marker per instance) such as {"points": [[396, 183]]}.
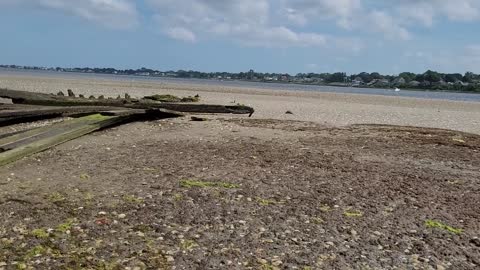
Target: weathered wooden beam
{"points": [[23, 97], [33, 141], [21, 114]]}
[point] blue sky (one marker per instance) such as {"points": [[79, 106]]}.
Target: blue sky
{"points": [[387, 36]]}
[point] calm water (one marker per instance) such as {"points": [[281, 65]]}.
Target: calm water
{"points": [[272, 86]]}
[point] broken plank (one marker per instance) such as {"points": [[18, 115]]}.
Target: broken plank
{"points": [[21, 145], [22, 114]]}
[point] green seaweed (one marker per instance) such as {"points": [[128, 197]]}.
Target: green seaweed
{"points": [[66, 226], [353, 213], [40, 233], [437, 224], [265, 202], [205, 184]]}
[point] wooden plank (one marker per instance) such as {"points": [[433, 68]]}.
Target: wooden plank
{"points": [[21, 114], [37, 140]]}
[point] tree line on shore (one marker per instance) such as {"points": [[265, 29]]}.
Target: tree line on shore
{"points": [[429, 80]]}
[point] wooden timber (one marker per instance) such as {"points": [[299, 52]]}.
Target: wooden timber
{"points": [[23, 97], [27, 113], [36, 140]]}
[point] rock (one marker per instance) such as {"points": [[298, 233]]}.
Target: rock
{"points": [[475, 241], [81, 96], [70, 93], [441, 267], [276, 262], [91, 97], [288, 112], [198, 119], [60, 94], [127, 96], [262, 261], [170, 259], [122, 216], [101, 97]]}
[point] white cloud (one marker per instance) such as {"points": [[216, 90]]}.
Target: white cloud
{"points": [[246, 21], [117, 14], [341, 11], [182, 34], [384, 23], [426, 11]]}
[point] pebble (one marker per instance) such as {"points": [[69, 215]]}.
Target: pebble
{"points": [[170, 259], [262, 261], [276, 262], [102, 213], [122, 216], [377, 233], [475, 241]]}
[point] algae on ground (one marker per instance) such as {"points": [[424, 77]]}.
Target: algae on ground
{"points": [[205, 184], [352, 213], [437, 224]]}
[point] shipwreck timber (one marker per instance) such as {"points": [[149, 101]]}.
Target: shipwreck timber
{"points": [[89, 115]]}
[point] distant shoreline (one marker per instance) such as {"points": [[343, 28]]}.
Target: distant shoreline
{"points": [[339, 85]]}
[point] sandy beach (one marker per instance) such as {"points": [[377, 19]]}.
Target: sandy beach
{"points": [[307, 190], [326, 108]]}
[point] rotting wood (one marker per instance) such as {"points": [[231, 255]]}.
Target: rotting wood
{"points": [[33, 141], [21, 144], [27, 113], [23, 97]]}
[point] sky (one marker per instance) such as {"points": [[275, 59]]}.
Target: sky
{"points": [[386, 36]]}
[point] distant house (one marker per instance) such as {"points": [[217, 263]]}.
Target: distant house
{"points": [[358, 81], [426, 83], [382, 83], [372, 82], [414, 83], [458, 82], [399, 81], [440, 83]]}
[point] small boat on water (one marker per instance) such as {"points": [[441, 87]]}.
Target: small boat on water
{"points": [[397, 89]]}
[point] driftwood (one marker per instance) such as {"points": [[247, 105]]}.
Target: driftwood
{"points": [[20, 114], [23, 97], [36, 140], [92, 114]]}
